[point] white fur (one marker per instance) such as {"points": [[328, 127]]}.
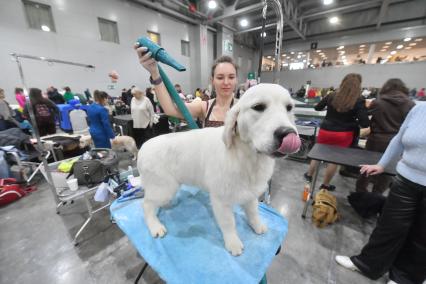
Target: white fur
{"points": [[125, 143], [233, 163]]}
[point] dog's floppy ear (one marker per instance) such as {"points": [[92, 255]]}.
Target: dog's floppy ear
{"points": [[230, 130]]}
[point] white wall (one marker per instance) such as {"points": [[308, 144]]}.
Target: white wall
{"points": [[246, 55], [373, 75], [77, 39]]}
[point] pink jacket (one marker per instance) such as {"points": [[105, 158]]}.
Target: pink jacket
{"points": [[20, 98]]}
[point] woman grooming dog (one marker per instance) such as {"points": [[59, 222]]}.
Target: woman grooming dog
{"points": [[211, 112]]}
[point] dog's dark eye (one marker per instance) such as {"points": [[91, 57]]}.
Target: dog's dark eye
{"points": [[259, 107], [289, 107]]}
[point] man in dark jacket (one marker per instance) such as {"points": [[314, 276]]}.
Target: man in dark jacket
{"points": [[388, 113], [54, 96]]}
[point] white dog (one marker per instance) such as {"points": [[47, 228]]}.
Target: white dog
{"points": [[233, 163], [125, 143]]}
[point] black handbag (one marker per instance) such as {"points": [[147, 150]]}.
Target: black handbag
{"points": [[104, 162]]}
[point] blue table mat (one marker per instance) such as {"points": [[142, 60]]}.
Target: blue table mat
{"points": [[193, 250]]}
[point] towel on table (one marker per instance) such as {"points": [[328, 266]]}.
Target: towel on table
{"points": [[193, 250]]}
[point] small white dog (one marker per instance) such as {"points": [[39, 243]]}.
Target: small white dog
{"points": [[233, 163], [125, 143]]}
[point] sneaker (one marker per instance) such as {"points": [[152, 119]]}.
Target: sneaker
{"points": [[329, 187], [307, 177], [346, 262]]}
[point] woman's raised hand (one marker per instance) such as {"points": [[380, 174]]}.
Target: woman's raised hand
{"points": [[146, 61], [371, 169]]}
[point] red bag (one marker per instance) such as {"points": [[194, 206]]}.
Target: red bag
{"points": [[10, 191]]}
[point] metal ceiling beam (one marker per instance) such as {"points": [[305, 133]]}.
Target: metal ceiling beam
{"points": [[382, 13], [255, 29], [293, 25], [367, 4], [168, 11], [238, 12], [200, 15]]}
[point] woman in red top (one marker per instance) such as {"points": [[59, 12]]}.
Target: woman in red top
{"points": [[346, 113]]}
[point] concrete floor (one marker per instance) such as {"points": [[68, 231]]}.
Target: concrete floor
{"points": [[36, 244]]}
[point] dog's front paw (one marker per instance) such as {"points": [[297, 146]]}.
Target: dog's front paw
{"points": [[234, 246], [260, 228], [157, 230]]}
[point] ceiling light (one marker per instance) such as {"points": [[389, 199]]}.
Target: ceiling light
{"points": [[264, 34], [389, 56], [362, 45], [408, 47], [385, 46], [300, 52], [268, 56], [340, 47], [244, 23], [344, 56], [212, 4], [418, 39], [383, 50], [393, 52], [327, 2], [304, 60], [412, 44], [292, 52], [45, 28], [299, 56], [389, 42], [342, 52], [407, 39], [333, 20], [283, 54], [399, 46]]}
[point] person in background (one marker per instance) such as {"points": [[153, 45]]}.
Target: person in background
{"points": [[20, 97], [412, 93], [99, 124], [45, 112], [178, 89], [198, 93], [54, 96], [240, 91], [311, 93], [421, 93], [143, 116], [388, 113], [212, 112], [88, 96], [150, 94], [365, 93], [68, 95], [7, 119], [398, 243], [301, 92], [346, 113]]}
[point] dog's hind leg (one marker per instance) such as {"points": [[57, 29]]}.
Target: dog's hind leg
{"points": [[252, 214], [156, 197], [226, 221]]}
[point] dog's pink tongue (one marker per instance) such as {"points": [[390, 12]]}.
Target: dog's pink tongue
{"points": [[291, 144]]}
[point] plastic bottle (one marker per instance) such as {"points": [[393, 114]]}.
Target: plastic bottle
{"points": [[306, 192]]}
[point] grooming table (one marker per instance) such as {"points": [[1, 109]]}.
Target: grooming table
{"points": [[341, 156], [193, 250]]}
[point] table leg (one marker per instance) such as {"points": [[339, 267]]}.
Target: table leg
{"points": [[141, 272], [312, 189]]}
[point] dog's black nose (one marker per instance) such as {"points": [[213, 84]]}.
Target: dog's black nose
{"points": [[282, 132]]}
